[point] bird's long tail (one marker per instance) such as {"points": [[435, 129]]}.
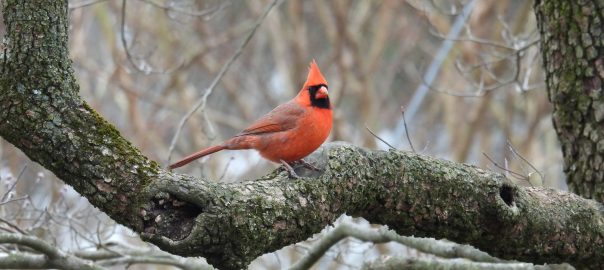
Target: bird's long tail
{"points": [[197, 155]]}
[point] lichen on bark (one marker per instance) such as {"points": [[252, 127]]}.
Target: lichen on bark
{"points": [[42, 114], [231, 224], [571, 44]]}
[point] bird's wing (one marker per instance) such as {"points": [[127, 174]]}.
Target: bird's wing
{"points": [[281, 118]]}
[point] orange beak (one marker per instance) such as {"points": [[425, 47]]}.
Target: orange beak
{"points": [[322, 93]]}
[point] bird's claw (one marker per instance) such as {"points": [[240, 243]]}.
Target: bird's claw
{"points": [[290, 170], [303, 162]]}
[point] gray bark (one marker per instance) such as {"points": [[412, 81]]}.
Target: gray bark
{"points": [[231, 224], [571, 43]]}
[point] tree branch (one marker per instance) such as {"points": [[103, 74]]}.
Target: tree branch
{"points": [[123, 255], [52, 258], [383, 235], [232, 224], [431, 263]]}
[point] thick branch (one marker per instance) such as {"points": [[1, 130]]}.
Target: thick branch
{"points": [[231, 224]]}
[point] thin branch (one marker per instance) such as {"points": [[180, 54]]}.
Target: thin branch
{"points": [[127, 49], [226, 167], [54, 258], [120, 254], [25, 197], [383, 235], [482, 89], [481, 92], [378, 137], [86, 4], [436, 64], [182, 263], [19, 260], [201, 103], [400, 262], [513, 173], [407, 129], [15, 227], [195, 13], [5, 195], [524, 159], [472, 39]]}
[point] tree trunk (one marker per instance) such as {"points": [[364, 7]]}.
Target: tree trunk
{"points": [[232, 224], [571, 42]]}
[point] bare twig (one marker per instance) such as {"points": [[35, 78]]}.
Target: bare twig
{"points": [[201, 103], [129, 55], [482, 89], [514, 174], [407, 129], [14, 200], [195, 13], [378, 137], [524, 159], [226, 167], [430, 75], [15, 227], [85, 4], [8, 191], [481, 92], [471, 39]]}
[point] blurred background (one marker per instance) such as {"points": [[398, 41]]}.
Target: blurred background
{"points": [[467, 73]]}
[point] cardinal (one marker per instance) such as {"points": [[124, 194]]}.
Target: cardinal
{"points": [[289, 132]]}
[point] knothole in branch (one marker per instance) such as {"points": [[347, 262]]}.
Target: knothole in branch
{"points": [[506, 192]]}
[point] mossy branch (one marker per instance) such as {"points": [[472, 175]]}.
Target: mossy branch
{"points": [[231, 224]]}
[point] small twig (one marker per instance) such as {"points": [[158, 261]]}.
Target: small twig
{"points": [[10, 224], [8, 191], [86, 4], [25, 197], [524, 159], [201, 103], [472, 39], [482, 89], [478, 93], [378, 137], [226, 167], [514, 174], [127, 49], [195, 13], [407, 129]]}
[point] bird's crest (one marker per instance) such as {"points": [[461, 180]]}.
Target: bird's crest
{"points": [[314, 75]]}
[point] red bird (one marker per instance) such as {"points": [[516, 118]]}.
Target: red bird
{"points": [[289, 132]]}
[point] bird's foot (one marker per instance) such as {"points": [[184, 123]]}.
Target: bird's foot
{"points": [[302, 162], [290, 170]]}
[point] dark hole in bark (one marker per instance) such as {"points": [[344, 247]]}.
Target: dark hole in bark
{"points": [[507, 194], [165, 212]]}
